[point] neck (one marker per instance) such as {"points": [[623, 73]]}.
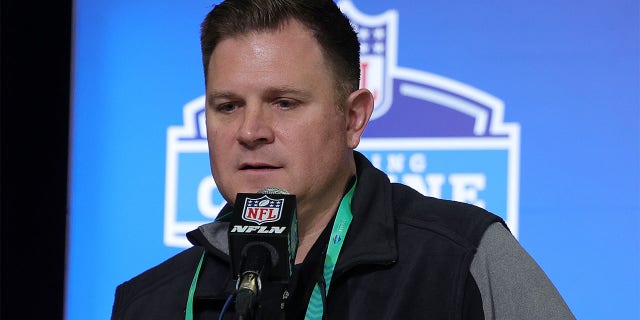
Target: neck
{"points": [[313, 220], [315, 213], [310, 227]]}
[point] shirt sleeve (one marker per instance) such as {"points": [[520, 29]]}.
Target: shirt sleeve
{"points": [[511, 283]]}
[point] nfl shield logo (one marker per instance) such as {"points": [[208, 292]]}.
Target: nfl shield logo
{"points": [[262, 210], [377, 36]]}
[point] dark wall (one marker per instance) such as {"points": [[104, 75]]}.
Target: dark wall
{"points": [[36, 42]]}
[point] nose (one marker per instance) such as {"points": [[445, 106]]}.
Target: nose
{"points": [[256, 127]]}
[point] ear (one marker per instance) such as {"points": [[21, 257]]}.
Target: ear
{"points": [[357, 113]]}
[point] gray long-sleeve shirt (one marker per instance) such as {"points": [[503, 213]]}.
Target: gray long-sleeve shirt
{"points": [[511, 283]]}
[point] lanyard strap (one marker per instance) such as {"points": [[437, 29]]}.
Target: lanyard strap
{"points": [[315, 309], [192, 290]]}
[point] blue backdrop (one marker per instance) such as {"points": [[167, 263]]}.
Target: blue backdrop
{"points": [[528, 108]]}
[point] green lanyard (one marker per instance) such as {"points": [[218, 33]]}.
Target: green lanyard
{"points": [[338, 233], [192, 290]]}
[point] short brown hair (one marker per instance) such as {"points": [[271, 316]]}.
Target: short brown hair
{"points": [[330, 27]]}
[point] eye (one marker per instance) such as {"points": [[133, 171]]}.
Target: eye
{"points": [[227, 107], [286, 104]]}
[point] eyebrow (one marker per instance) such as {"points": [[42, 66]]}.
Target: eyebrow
{"points": [[270, 92], [284, 90], [221, 95]]}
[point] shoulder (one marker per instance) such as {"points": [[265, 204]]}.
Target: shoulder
{"points": [[511, 283], [459, 221], [183, 262], [149, 289]]}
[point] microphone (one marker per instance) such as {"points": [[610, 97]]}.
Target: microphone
{"points": [[263, 240]]}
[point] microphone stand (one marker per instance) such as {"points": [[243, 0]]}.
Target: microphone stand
{"points": [[257, 263], [246, 297]]}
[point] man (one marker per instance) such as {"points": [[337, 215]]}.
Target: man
{"points": [[283, 109]]}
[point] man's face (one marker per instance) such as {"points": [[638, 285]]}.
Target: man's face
{"points": [[272, 118]]}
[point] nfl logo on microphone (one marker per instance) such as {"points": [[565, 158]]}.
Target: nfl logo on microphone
{"points": [[261, 210]]}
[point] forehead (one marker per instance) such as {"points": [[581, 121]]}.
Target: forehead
{"points": [[290, 50], [289, 34]]}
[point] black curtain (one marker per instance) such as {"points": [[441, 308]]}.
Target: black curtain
{"points": [[35, 91]]}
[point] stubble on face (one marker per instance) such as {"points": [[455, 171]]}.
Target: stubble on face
{"points": [[272, 119]]}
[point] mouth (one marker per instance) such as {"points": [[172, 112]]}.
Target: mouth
{"points": [[257, 167]]}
